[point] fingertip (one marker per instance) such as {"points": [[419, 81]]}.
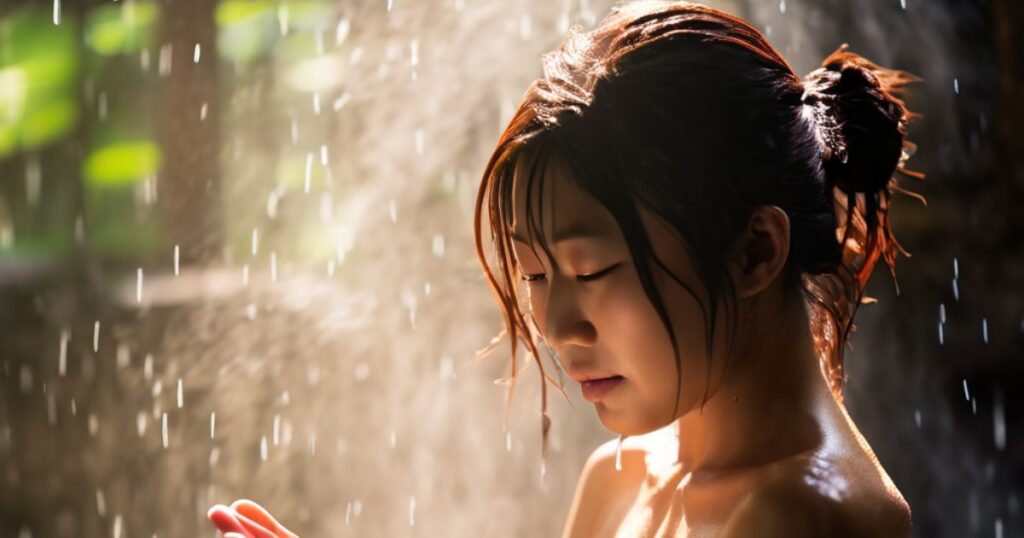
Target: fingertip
{"points": [[247, 503], [212, 512]]}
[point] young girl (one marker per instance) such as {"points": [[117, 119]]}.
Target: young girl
{"points": [[689, 227]]}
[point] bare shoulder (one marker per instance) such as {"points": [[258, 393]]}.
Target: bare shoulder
{"points": [[600, 485], [809, 497]]}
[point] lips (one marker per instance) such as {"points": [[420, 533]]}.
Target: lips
{"points": [[595, 389]]}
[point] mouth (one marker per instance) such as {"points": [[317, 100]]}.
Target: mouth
{"points": [[596, 389]]}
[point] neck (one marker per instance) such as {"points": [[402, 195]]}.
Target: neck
{"points": [[764, 407]]}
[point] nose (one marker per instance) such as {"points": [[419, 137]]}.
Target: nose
{"points": [[565, 322]]}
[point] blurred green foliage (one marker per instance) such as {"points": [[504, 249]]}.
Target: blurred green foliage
{"points": [[38, 73]]}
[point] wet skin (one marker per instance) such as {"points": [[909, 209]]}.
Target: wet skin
{"points": [[770, 453]]}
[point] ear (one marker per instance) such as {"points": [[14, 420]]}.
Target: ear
{"points": [[761, 250]]}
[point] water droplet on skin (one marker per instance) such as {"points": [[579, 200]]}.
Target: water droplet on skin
{"points": [[618, 453]]}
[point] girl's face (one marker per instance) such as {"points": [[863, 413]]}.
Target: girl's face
{"points": [[604, 325]]}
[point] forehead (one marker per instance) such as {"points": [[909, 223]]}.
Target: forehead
{"points": [[556, 200]]}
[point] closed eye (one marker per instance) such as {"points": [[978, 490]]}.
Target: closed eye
{"points": [[585, 278]]}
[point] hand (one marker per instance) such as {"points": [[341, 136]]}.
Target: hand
{"points": [[246, 519]]}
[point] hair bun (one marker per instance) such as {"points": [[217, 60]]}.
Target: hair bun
{"points": [[860, 119]]}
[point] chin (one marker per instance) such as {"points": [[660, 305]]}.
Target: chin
{"points": [[621, 424]]}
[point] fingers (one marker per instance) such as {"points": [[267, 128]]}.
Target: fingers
{"points": [[225, 520], [254, 528], [260, 515]]}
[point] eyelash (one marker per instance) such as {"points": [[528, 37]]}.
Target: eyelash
{"points": [[585, 278]]}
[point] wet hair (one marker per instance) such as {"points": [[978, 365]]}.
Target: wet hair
{"points": [[691, 113]]}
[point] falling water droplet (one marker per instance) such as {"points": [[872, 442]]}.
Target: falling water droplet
{"points": [[508, 442], [393, 210], [177, 258], [282, 18], [273, 267], [316, 103], [117, 526], [202, 111], [195, 53], [166, 55], [141, 421], [390, 4], [984, 329], [956, 268], [255, 241], [903, 4], [163, 429], [245, 275], [213, 424], [56, 12], [782, 6], [917, 418], [967, 395], [956, 86], [942, 313], [263, 448], [956, 291], [62, 362], [438, 246], [618, 453], [999, 424], [147, 368], [312, 444], [96, 336], [323, 154], [309, 170], [181, 395], [941, 339], [138, 287], [94, 424], [277, 430], [101, 503]]}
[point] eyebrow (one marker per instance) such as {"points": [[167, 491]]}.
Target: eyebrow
{"points": [[573, 231]]}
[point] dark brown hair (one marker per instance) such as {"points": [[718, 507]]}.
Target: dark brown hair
{"points": [[691, 113]]}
